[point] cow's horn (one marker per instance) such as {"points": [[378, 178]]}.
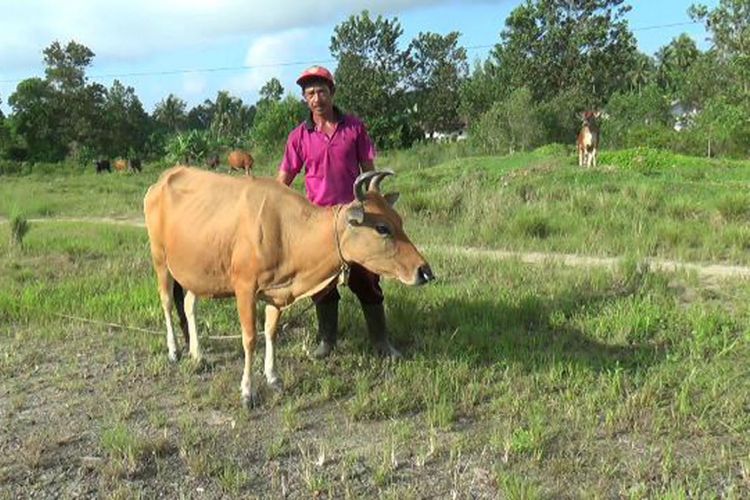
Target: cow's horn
{"points": [[361, 182], [375, 182]]}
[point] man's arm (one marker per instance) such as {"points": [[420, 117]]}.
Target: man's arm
{"points": [[284, 177]]}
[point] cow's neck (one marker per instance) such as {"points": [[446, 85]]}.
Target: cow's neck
{"points": [[322, 260]]}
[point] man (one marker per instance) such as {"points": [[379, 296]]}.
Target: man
{"points": [[334, 149]]}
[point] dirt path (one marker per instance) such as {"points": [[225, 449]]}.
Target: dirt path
{"points": [[704, 270]]}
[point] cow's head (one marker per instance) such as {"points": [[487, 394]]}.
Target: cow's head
{"points": [[373, 234], [590, 118]]}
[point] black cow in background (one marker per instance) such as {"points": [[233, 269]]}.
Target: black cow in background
{"points": [[212, 162], [102, 165], [135, 165]]}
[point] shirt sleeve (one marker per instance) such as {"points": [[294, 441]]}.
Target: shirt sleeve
{"points": [[365, 147], [292, 161]]}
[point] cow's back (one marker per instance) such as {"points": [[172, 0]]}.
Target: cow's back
{"points": [[201, 220]]}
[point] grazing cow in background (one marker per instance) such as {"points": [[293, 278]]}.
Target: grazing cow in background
{"points": [[588, 139], [102, 165], [121, 165], [212, 162], [255, 239], [135, 165], [239, 160]]}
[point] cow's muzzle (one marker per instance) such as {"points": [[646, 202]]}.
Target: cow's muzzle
{"points": [[424, 275]]}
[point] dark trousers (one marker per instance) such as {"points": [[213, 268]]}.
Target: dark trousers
{"points": [[363, 283]]}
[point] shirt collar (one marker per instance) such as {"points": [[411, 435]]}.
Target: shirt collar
{"points": [[337, 115]]}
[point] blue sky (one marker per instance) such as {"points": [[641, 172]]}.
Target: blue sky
{"points": [[149, 44]]}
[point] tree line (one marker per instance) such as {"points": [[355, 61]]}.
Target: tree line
{"points": [[553, 60]]}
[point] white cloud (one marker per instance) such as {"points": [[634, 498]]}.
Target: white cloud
{"points": [[129, 29], [265, 52]]}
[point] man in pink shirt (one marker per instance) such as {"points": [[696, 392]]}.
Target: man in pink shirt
{"points": [[334, 148]]}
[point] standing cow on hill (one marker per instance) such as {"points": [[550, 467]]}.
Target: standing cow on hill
{"points": [[240, 160], [588, 139]]}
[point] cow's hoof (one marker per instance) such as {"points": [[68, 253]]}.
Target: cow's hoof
{"points": [[277, 385], [173, 357], [252, 400]]}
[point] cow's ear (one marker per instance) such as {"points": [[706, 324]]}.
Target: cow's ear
{"points": [[355, 215], [391, 198]]}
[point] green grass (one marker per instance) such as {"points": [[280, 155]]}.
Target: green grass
{"points": [[521, 381]]}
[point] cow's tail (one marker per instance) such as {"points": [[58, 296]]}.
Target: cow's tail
{"points": [[178, 294]]}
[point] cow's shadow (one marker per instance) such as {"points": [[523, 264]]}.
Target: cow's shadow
{"points": [[533, 332]]}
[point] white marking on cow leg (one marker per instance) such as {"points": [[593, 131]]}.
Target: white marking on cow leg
{"points": [[271, 328], [593, 157], [246, 311], [190, 300]]}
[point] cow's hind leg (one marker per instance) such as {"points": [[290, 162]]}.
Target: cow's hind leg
{"points": [[189, 312], [271, 328], [166, 285], [178, 293], [246, 310]]}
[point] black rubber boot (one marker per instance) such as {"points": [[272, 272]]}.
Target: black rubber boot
{"points": [[328, 325], [375, 318]]}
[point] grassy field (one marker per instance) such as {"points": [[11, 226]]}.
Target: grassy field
{"points": [[521, 381]]}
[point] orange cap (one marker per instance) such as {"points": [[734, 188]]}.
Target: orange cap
{"points": [[316, 72]]}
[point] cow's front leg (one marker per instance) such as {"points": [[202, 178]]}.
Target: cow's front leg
{"points": [[271, 328], [246, 311]]}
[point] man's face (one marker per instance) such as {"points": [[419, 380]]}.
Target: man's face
{"points": [[318, 97]]}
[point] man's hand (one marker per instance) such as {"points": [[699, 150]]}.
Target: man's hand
{"points": [[284, 178]]}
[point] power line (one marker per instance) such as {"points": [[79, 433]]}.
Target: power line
{"points": [[295, 63]]}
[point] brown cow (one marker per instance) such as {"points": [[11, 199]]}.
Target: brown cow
{"points": [[587, 142], [253, 238], [239, 160], [121, 165]]}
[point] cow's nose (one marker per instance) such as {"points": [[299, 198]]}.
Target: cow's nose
{"points": [[424, 274]]}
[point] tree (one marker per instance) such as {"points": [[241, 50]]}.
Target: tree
{"points": [[35, 121], [636, 116], [371, 77], [709, 76], [274, 121], [485, 86], [642, 72], [438, 68], [231, 118], [169, 113], [66, 66], [729, 25], [128, 123], [272, 91], [723, 128], [673, 63], [510, 125], [555, 46]]}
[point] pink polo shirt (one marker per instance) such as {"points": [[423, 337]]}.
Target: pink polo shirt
{"points": [[331, 164]]}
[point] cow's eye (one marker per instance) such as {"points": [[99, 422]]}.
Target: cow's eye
{"points": [[382, 229]]}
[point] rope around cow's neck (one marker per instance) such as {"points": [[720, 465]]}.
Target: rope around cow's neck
{"points": [[344, 271]]}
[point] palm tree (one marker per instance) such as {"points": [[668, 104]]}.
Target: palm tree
{"points": [[170, 113]]}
